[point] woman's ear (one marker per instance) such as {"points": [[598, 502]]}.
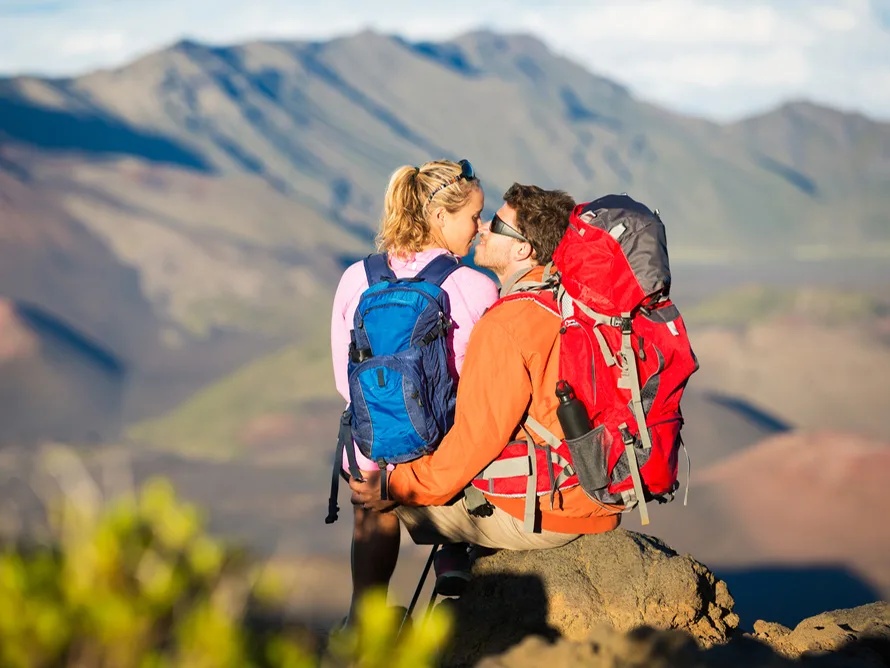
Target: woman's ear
{"points": [[438, 216]]}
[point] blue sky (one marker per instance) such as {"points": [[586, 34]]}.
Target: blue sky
{"points": [[719, 59]]}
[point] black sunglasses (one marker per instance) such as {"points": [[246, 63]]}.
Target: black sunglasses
{"points": [[498, 226], [466, 174]]}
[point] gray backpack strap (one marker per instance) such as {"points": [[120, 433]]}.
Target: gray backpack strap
{"points": [[526, 466], [507, 468], [688, 470], [513, 284], [629, 380], [553, 457], [551, 274], [476, 502], [531, 487], [567, 310], [542, 432], [634, 466], [567, 471]]}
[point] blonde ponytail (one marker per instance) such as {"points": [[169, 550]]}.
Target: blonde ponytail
{"points": [[404, 227]]}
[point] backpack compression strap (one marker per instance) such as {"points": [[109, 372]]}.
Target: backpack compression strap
{"points": [[629, 380]]}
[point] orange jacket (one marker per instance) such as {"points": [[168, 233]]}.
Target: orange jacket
{"points": [[511, 366]]}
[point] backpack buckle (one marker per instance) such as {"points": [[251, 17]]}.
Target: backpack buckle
{"points": [[484, 510], [440, 330], [627, 438], [624, 324]]}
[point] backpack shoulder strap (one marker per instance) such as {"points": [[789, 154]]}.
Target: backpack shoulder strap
{"points": [[439, 269], [377, 268]]}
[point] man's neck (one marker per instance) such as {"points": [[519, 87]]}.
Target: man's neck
{"points": [[512, 275], [513, 268]]}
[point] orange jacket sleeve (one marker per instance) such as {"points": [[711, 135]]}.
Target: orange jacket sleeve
{"points": [[493, 394]]}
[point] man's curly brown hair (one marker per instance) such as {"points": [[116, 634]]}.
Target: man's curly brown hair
{"points": [[542, 216]]}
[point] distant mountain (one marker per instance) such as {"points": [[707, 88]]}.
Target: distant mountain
{"points": [[310, 131], [54, 383], [812, 358], [813, 305], [195, 207]]}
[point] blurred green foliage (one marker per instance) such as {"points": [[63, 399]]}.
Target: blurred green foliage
{"points": [[139, 584], [376, 641]]}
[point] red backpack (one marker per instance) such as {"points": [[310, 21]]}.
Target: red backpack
{"points": [[626, 355]]}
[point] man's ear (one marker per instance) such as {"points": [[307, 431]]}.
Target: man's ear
{"points": [[523, 251]]}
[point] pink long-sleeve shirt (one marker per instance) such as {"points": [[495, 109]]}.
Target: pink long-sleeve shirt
{"points": [[470, 293]]}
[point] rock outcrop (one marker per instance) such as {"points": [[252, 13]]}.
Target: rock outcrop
{"points": [[646, 647], [621, 580], [853, 638], [627, 599], [865, 629]]}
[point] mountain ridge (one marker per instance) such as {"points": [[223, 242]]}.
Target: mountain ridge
{"points": [[235, 181]]}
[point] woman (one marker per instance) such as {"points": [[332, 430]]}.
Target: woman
{"points": [[428, 211]]}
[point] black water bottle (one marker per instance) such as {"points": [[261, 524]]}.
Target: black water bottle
{"points": [[571, 413]]}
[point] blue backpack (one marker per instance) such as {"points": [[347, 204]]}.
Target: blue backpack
{"points": [[401, 393]]}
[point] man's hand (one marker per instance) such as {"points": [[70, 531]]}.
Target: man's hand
{"points": [[367, 494]]}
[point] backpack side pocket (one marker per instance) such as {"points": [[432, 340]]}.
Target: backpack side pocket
{"points": [[589, 459]]}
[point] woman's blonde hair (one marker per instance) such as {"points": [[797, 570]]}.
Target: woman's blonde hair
{"points": [[411, 194]]}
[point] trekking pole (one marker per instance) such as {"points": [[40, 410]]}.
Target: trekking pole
{"points": [[429, 606], [426, 570]]}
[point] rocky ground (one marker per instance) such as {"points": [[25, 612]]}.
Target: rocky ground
{"points": [[626, 599]]}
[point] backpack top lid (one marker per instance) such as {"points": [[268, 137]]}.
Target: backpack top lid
{"points": [[613, 256]]}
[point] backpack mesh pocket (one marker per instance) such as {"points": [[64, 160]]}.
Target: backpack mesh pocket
{"points": [[589, 459]]}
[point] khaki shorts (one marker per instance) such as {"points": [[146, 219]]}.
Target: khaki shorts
{"points": [[429, 525]]}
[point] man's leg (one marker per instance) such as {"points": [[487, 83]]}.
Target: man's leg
{"points": [[453, 523], [453, 526], [375, 551]]}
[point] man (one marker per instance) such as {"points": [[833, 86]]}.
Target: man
{"points": [[510, 372]]}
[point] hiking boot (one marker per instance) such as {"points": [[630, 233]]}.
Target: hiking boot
{"points": [[452, 565], [477, 551]]}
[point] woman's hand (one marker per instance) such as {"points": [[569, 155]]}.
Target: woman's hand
{"points": [[366, 493]]}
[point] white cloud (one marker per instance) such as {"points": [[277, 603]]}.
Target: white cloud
{"points": [[93, 44], [835, 19], [719, 59], [771, 68], [679, 22], [725, 60]]}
